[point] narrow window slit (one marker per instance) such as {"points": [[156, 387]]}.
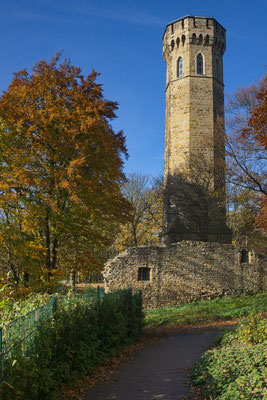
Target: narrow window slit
{"points": [[180, 67], [200, 64]]}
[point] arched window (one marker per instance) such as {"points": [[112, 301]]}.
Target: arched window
{"points": [[172, 44], [216, 69], [194, 38], [200, 69], [183, 39], [244, 256], [180, 67], [207, 40], [200, 39], [178, 42]]}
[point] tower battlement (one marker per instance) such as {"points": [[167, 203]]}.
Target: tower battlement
{"points": [[190, 35], [196, 30]]}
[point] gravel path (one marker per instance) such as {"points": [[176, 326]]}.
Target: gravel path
{"points": [[157, 372]]}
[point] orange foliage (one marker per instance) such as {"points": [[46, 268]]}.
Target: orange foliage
{"points": [[60, 167], [251, 143], [258, 125], [261, 221], [258, 121]]}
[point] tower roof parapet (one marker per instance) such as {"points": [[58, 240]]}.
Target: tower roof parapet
{"points": [[212, 21], [194, 30]]}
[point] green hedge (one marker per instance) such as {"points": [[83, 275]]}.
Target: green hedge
{"points": [[80, 337], [236, 368]]}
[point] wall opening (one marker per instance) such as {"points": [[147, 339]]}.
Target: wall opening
{"points": [[200, 68], [144, 274], [180, 67], [244, 257]]}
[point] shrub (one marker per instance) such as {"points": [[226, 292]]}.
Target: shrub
{"points": [[237, 368], [253, 329], [79, 337]]}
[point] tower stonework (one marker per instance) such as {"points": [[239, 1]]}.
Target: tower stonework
{"points": [[195, 260], [193, 49]]}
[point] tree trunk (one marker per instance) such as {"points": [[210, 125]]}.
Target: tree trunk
{"points": [[47, 241], [72, 278], [54, 253]]}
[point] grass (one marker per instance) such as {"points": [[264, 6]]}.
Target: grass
{"points": [[222, 308]]}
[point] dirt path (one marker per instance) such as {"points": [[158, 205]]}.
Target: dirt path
{"points": [[159, 371]]}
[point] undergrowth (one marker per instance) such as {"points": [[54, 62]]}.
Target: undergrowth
{"points": [[79, 337], [236, 368], [10, 309]]}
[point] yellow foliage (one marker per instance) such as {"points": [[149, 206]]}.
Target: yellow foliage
{"points": [[60, 171]]}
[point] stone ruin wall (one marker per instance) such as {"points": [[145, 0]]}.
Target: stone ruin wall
{"points": [[186, 271]]}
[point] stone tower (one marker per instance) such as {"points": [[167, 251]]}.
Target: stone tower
{"points": [[194, 209]]}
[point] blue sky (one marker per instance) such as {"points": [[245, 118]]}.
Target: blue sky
{"points": [[122, 39]]}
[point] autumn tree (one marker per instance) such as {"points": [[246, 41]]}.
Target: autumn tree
{"points": [[194, 201], [194, 205], [142, 227], [242, 213], [60, 171], [257, 123], [246, 144]]}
